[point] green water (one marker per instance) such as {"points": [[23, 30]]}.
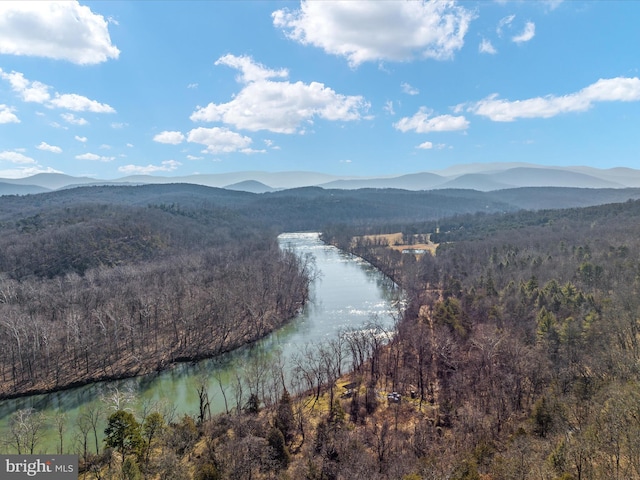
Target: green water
{"points": [[348, 294]]}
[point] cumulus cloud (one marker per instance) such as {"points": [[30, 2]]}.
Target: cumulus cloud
{"points": [[487, 47], [80, 139], [78, 103], [426, 146], [94, 157], [173, 138], [423, 122], [29, 91], [378, 30], [62, 30], [72, 119], [165, 166], [16, 157], [388, 107], [527, 34], [280, 106], [7, 115], [49, 148], [220, 140], [620, 89], [408, 89], [38, 92]]}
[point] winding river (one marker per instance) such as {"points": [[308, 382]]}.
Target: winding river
{"points": [[348, 293]]}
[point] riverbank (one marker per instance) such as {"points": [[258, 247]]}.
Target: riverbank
{"points": [[130, 366]]}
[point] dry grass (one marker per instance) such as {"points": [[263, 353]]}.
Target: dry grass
{"points": [[394, 241]]}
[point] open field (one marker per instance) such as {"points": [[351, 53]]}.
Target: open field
{"points": [[396, 241]]}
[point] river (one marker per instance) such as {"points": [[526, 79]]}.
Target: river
{"points": [[348, 293]]}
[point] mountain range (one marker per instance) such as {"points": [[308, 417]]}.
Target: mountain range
{"points": [[481, 177]]}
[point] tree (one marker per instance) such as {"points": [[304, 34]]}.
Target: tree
{"points": [[542, 417], [280, 452], [123, 433], [284, 419], [130, 469], [253, 404], [25, 429], [60, 421], [152, 428]]}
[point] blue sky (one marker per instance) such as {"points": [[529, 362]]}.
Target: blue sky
{"points": [[362, 88]]}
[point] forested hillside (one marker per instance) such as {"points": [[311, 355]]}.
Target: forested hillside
{"points": [[91, 291], [522, 339]]}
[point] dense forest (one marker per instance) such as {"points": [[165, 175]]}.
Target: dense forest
{"points": [[516, 356]]}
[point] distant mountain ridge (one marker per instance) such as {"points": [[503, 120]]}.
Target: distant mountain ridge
{"points": [[482, 177]]}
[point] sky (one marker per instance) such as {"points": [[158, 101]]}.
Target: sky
{"points": [[352, 88]]}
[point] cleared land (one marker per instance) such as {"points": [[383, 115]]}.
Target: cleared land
{"points": [[397, 241]]}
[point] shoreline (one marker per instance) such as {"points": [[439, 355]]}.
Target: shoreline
{"points": [[160, 366]]}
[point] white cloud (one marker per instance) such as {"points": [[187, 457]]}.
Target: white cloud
{"points": [[504, 22], [425, 146], [378, 30], [250, 71], [422, 122], [72, 119], [49, 148], [130, 145], [173, 138], [165, 166], [16, 157], [79, 103], [23, 172], [279, 107], [220, 140], [104, 146], [38, 92], [29, 91], [487, 47], [94, 157], [620, 89], [527, 34], [192, 85], [80, 139], [62, 30], [409, 90], [388, 107], [193, 157], [118, 125], [7, 115]]}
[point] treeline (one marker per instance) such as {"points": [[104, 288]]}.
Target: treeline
{"points": [[96, 291]]}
